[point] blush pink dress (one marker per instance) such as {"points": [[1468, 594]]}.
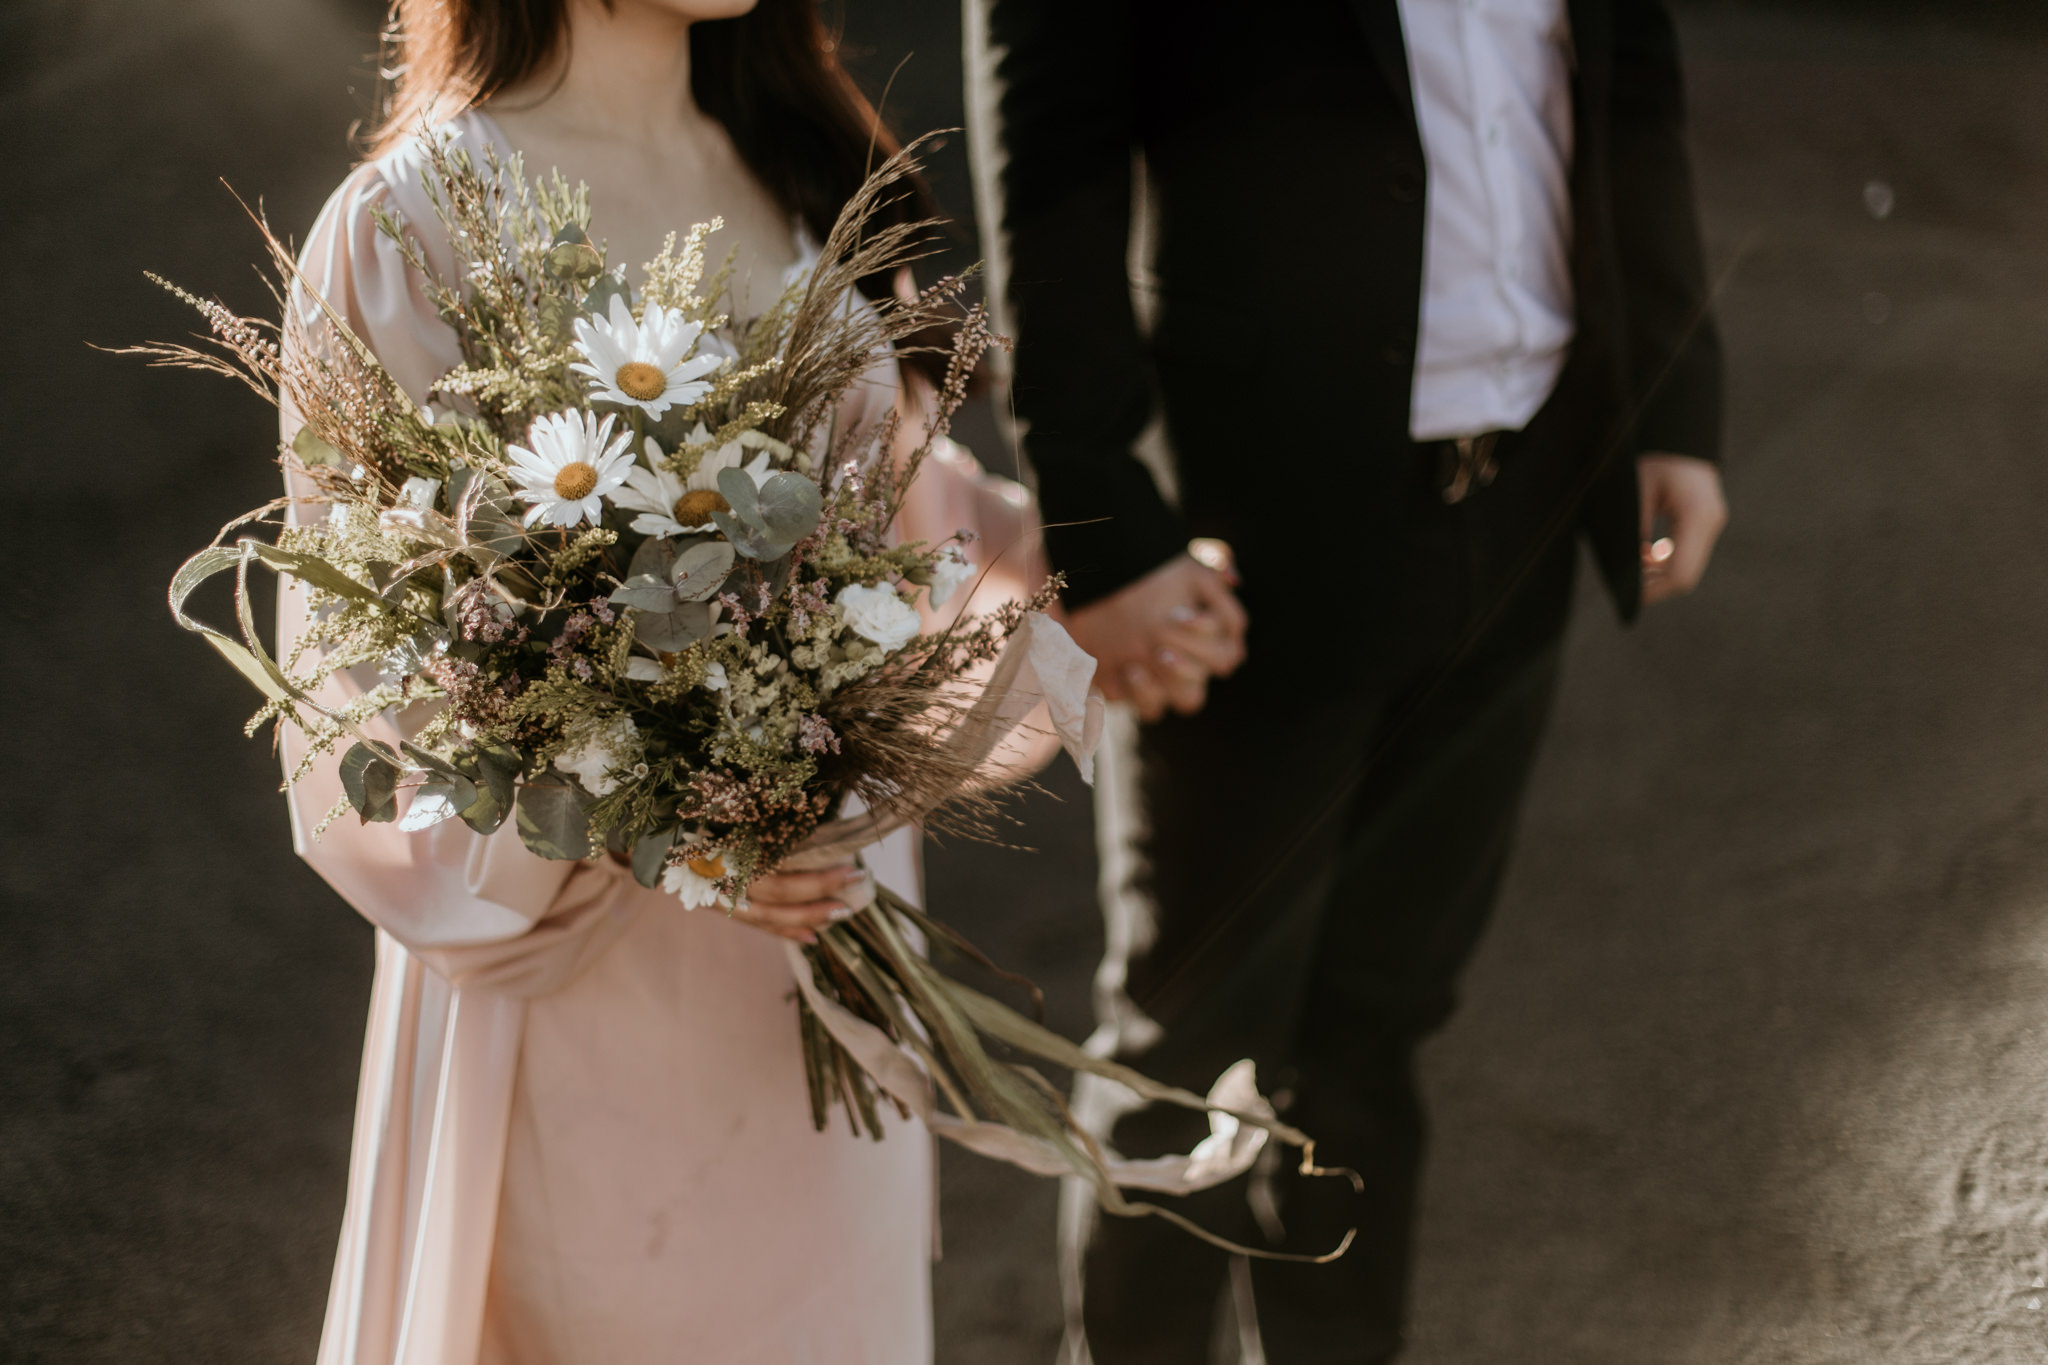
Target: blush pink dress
{"points": [[582, 1133]]}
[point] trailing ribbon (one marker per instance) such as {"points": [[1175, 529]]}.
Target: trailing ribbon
{"points": [[945, 1020]]}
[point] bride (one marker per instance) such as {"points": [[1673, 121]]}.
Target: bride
{"points": [[582, 1132]]}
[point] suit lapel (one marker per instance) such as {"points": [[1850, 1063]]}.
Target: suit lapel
{"points": [[1381, 22]]}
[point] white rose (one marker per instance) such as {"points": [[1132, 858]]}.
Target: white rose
{"points": [[948, 575], [612, 747], [878, 614]]}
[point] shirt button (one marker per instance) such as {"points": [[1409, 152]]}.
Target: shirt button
{"points": [[1405, 186]]}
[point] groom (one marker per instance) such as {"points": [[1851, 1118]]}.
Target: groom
{"points": [[1423, 301]]}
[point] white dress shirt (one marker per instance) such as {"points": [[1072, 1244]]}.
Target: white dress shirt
{"points": [[1492, 83]]}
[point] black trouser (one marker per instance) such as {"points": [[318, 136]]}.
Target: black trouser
{"points": [[1317, 921]]}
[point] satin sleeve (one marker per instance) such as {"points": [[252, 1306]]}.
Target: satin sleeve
{"points": [[465, 903]]}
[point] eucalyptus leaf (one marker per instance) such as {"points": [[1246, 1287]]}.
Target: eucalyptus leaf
{"points": [[669, 631], [441, 799], [554, 819], [656, 558], [493, 783], [571, 256], [370, 783], [650, 855], [498, 765], [790, 506], [701, 570], [645, 592], [609, 286], [487, 812], [737, 485], [749, 541], [313, 451]]}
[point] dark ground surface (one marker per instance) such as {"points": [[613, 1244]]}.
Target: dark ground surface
{"points": [[1754, 1066]]}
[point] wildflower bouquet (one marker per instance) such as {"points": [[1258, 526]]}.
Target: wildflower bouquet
{"points": [[641, 567]]}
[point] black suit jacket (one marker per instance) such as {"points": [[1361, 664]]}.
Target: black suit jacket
{"points": [[1286, 176]]}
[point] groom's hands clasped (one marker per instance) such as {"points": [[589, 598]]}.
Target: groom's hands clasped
{"points": [[1158, 641]]}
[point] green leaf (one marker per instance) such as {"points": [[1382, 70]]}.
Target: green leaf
{"points": [[738, 487], [557, 316], [790, 506], [494, 792], [371, 785], [650, 855], [572, 257], [486, 813], [701, 570], [444, 798], [498, 766], [554, 819], [646, 593], [656, 558], [313, 451], [751, 541], [669, 631], [599, 300]]}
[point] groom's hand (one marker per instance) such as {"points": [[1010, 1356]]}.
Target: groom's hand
{"points": [[1159, 640], [1685, 494]]}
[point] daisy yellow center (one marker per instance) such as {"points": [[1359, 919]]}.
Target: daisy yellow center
{"points": [[695, 507], [710, 869], [640, 380], [575, 480]]}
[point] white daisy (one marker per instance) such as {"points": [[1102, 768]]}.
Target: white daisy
{"points": [[569, 463], [672, 506], [693, 878], [646, 364]]}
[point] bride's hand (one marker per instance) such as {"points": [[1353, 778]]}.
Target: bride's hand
{"points": [[795, 905]]}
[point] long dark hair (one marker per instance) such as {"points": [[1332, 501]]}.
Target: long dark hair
{"points": [[771, 76]]}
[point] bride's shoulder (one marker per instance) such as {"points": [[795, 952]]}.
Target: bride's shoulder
{"points": [[396, 181], [350, 260]]}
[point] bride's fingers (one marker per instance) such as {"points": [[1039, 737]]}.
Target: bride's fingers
{"points": [[1217, 598], [792, 919], [1144, 691], [796, 888], [1184, 680], [1208, 649], [809, 915]]}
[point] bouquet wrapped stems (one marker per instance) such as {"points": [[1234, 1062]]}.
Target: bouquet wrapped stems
{"points": [[865, 986]]}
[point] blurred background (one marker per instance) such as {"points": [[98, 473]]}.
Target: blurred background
{"points": [[1754, 1064]]}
